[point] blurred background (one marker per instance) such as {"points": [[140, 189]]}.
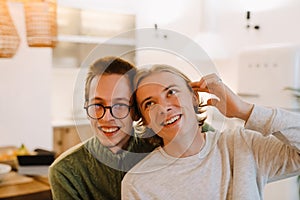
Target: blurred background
{"points": [[254, 46]]}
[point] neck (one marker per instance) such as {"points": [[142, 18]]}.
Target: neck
{"points": [[121, 146], [185, 146]]}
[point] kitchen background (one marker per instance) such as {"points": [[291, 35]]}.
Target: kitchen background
{"points": [[37, 84]]}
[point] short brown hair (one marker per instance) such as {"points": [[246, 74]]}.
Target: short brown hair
{"points": [[109, 65]]}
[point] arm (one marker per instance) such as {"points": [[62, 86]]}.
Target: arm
{"points": [[282, 124], [275, 144]]}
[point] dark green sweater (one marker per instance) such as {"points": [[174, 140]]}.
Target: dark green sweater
{"points": [[92, 171]]}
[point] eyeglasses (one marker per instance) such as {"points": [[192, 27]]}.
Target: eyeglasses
{"points": [[97, 111]]}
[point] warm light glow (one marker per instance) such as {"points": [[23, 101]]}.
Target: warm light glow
{"points": [[162, 12], [21, 1], [257, 5], [213, 44]]}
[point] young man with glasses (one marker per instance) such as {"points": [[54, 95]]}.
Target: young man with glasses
{"points": [[95, 168]]}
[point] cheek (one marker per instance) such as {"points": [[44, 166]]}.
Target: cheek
{"points": [[126, 124], [157, 114], [94, 124], [188, 102], [145, 118], [155, 117]]}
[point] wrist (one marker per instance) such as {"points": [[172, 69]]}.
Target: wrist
{"points": [[246, 111]]}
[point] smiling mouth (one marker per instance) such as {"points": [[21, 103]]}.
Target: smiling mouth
{"points": [[109, 130], [171, 120]]}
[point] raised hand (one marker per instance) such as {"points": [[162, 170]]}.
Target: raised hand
{"points": [[229, 104]]}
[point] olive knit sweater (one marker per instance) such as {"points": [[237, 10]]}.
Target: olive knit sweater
{"points": [[91, 171]]}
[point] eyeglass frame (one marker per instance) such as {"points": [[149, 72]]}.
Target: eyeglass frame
{"points": [[110, 110]]}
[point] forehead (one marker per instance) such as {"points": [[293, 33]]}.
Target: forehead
{"points": [[163, 79], [110, 86]]}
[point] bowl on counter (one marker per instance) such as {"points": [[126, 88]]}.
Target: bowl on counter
{"points": [[4, 170], [8, 155]]}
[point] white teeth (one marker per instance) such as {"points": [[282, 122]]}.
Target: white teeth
{"points": [[109, 130], [172, 120]]}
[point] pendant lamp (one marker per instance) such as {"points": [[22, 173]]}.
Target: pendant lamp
{"points": [[41, 25], [9, 38]]}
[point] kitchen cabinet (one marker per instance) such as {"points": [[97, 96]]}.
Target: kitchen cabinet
{"points": [[81, 30], [67, 136]]}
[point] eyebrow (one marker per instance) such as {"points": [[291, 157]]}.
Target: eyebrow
{"points": [[170, 86], [167, 88]]}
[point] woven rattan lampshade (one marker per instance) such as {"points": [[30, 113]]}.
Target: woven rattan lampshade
{"points": [[9, 38], [41, 26]]}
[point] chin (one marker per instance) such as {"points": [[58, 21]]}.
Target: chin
{"points": [[117, 140], [108, 141]]}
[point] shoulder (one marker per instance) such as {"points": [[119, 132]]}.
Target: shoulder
{"points": [[240, 137], [231, 137], [145, 167], [70, 157], [148, 162]]}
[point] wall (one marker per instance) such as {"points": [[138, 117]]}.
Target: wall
{"points": [[277, 20], [25, 92], [178, 22], [277, 23]]}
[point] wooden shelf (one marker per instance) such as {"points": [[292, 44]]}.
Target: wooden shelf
{"points": [[69, 122], [96, 40]]}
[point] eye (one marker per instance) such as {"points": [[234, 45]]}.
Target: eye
{"points": [[148, 104], [97, 106], [171, 92]]}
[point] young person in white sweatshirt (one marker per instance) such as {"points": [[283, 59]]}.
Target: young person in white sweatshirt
{"points": [[233, 164]]}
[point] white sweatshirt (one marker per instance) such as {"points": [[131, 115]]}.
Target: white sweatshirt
{"points": [[234, 164]]}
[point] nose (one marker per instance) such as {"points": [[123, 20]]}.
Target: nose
{"points": [[107, 115], [164, 106], [159, 112]]}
